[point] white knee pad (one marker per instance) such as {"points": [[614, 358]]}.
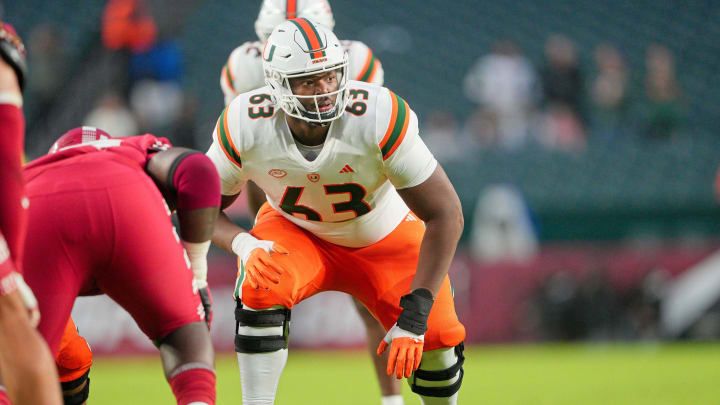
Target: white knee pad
{"points": [[261, 331], [261, 346], [439, 376]]}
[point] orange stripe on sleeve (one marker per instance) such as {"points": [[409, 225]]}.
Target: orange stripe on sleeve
{"points": [[227, 131], [224, 134], [229, 68], [224, 75], [220, 142], [402, 133], [391, 125], [366, 66]]}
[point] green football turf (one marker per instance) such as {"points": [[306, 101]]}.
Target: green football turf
{"points": [[636, 374]]}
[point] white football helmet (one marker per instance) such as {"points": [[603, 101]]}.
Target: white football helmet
{"points": [[298, 48], [274, 12]]}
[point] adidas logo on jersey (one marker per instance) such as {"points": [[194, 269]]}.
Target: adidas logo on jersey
{"points": [[347, 169], [410, 217]]}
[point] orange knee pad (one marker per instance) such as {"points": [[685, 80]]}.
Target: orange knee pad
{"points": [[74, 357]]}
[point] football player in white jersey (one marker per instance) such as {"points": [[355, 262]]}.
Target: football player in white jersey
{"points": [[244, 72], [355, 203]]}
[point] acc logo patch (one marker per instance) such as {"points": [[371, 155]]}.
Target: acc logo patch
{"points": [[277, 173], [314, 177]]}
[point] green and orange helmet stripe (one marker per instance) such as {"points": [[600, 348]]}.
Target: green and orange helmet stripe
{"points": [[368, 71], [312, 39], [290, 9], [226, 143], [397, 128]]}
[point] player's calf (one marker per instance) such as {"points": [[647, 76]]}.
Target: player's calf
{"points": [[439, 376], [193, 384], [187, 357], [261, 346]]}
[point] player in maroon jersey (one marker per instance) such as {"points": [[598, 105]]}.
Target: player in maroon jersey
{"points": [[99, 224], [27, 369]]}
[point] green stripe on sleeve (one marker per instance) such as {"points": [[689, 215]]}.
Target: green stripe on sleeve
{"points": [[229, 76], [397, 128], [371, 68], [225, 140]]}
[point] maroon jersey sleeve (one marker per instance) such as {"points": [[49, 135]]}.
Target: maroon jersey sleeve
{"points": [[12, 210]]}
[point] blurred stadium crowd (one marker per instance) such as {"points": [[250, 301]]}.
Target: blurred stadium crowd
{"points": [[581, 136]]}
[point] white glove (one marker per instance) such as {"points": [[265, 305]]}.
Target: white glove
{"points": [[406, 350], [256, 262]]}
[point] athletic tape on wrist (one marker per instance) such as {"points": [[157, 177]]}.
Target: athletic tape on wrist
{"points": [[242, 244], [197, 254]]}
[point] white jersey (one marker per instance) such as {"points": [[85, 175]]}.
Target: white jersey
{"points": [[244, 71], [347, 195]]}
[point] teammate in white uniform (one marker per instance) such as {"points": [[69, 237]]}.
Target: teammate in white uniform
{"points": [[342, 165], [243, 72]]}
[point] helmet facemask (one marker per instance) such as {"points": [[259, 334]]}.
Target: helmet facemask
{"points": [[293, 105], [301, 48]]}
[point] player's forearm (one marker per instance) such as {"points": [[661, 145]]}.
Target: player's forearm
{"points": [[437, 250], [197, 225], [30, 375], [224, 233]]}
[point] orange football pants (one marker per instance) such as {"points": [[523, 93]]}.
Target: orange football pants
{"points": [[74, 357], [377, 275]]}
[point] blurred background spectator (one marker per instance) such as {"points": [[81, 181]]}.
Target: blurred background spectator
{"points": [[441, 134], [503, 229], [609, 93], [127, 29], [663, 104], [503, 85], [563, 95], [143, 43], [113, 116], [47, 56], [561, 75]]}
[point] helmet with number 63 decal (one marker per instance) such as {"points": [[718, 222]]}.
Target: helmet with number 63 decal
{"points": [[274, 12], [299, 48]]}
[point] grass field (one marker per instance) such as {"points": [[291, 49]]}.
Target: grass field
{"points": [[641, 374]]}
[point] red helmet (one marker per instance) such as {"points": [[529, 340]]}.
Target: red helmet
{"points": [[78, 136]]}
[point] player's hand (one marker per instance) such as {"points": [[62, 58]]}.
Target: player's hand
{"points": [[206, 300], [407, 337], [406, 349], [12, 52], [256, 262]]}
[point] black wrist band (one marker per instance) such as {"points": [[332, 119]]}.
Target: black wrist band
{"points": [[416, 309]]}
